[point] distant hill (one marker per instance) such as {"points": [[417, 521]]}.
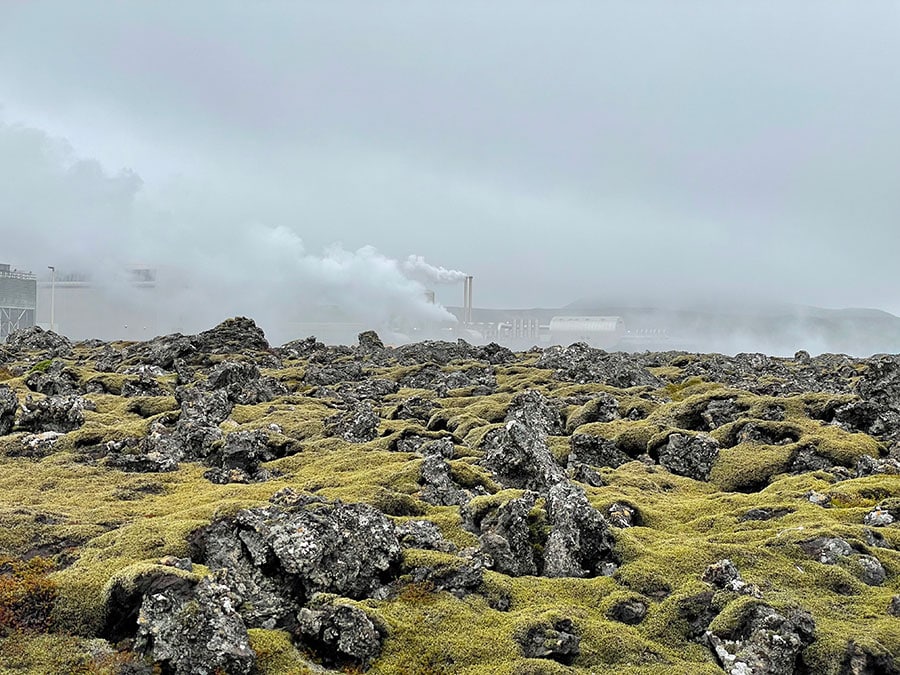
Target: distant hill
{"points": [[774, 329]]}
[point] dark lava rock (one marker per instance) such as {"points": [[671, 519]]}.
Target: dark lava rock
{"points": [[558, 641], [300, 349], [200, 633], [232, 336], [36, 339], [415, 408], [423, 534], [55, 380], [580, 540], [532, 409], [725, 576], [348, 549], [162, 352], [518, 456], [332, 373], [827, 550], [438, 485], [630, 612], [442, 353], [124, 598], [596, 451], [719, 412], [339, 633], [9, 404], [507, 537], [143, 386], [690, 456], [357, 425], [894, 606], [622, 515], [765, 642], [859, 660], [753, 432], [870, 466], [581, 363], [584, 474], [601, 408], [54, 413], [369, 343], [429, 376]]}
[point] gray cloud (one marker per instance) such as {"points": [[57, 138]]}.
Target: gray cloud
{"points": [[667, 152]]}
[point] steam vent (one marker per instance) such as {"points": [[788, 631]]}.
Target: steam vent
{"points": [[200, 504]]}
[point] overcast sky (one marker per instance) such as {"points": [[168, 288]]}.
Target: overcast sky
{"points": [[665, 150]]}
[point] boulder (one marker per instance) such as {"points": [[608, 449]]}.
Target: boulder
{"points": [[596, 451], [197, 633], [438, 487], [580, 541], [55, 380], [507, 537], [517, 455], [533, 410], [558, 641], [54, 413], [630, 612], [36, 340], [766, 642], [233, 336], [330, 547], [337, 632], [581, 363], [357, 425], [690, 456], [9, 404]]}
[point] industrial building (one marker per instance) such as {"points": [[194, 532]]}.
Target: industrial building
{"points": [[18, 300]]}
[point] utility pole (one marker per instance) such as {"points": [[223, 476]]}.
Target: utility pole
{"points": [[52, 297]]}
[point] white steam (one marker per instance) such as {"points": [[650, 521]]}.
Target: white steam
{"points": [[58, 209], [415, 267]]}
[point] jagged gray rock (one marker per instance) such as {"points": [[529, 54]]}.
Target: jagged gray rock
{"points": [[9, 404], [581, 363], [690, 456], [35, 339], [518, 456], [357, 425], [53, 413], [196, 633], [580, 540], [338, 632], [765, 642]]}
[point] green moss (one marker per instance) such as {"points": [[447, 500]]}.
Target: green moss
{"points": [[277, 655]]}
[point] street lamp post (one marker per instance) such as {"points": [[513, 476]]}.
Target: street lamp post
{"points": [[52, 297]]}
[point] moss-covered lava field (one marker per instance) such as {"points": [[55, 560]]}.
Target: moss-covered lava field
{"points": [[211, 504]]}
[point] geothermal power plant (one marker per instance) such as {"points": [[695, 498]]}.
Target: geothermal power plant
{"points": [[73, 305]]}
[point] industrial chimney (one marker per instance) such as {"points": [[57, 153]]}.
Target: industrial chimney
{"points": [[467, 301]]}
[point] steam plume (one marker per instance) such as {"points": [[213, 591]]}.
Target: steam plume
{"points": [[416, 268]]}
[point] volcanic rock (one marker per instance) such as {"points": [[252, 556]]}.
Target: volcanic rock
{"points": [[338, 632], [199, 633], [54, 413], [9, 404], [558, 642], [690, 456]]}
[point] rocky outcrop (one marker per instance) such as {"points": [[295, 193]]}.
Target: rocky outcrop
{"points": [[689, 455], [339, 633], [44, 344], [580, 363], [9, 404], [765, 641], [53, 413], [558, 641], [357, 425], [196, 633], [518, 456]]}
